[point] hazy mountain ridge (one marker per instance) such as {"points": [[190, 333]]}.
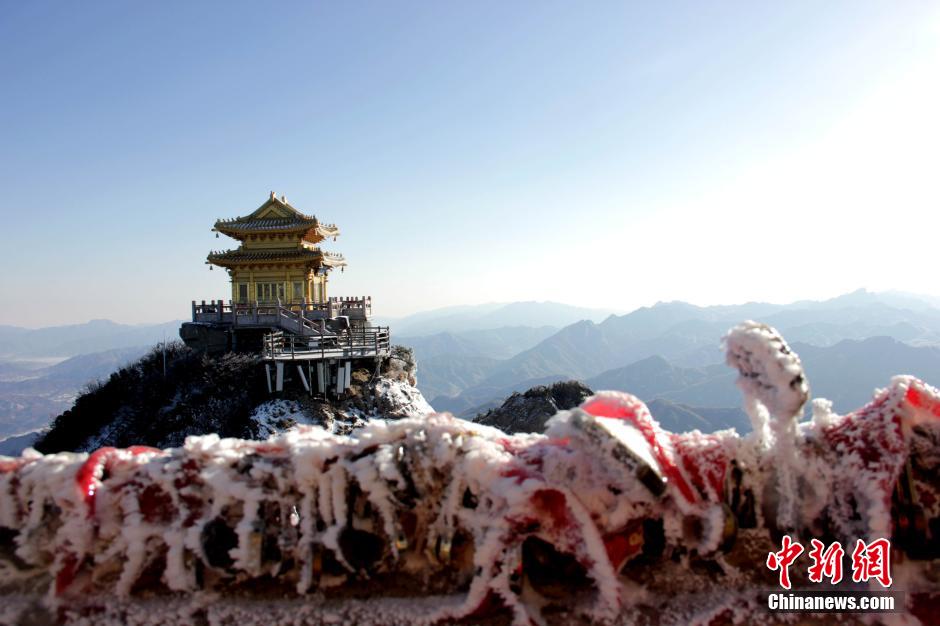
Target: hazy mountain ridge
{"points": [[95, 336], [653, 377], [846, 373], [454, 361], [706, 398], [679, 418], [494, 315], [32, 398], [866, 364], [449, 375], [689, 336], [495, 343]]}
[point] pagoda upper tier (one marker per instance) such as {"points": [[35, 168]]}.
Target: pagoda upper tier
{"points": [[278, 259], [277, 216]]}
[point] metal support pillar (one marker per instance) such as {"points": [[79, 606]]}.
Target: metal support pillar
{"points": [[340, 378], [321, 377], [303, 378]]}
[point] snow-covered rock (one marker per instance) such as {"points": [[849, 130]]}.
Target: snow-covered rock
{"points": [[276, 416], [383, 399], [401, 365], [398, 398]]}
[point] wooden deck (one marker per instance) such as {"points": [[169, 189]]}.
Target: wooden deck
{"points": [[357, 343], [323, 363]]}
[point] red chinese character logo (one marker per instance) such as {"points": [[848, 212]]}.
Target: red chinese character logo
{"points": [[826, 564], [872, 561], [783, 559]]}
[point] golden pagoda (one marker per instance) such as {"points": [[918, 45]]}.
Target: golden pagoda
{"points": [[279, 258], [279, 306]]}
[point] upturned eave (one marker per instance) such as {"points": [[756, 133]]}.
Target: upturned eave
{"points": [[301, 256]]}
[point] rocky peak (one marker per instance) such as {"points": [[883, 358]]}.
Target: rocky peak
{"points": [[527, 412], [224, 394]]}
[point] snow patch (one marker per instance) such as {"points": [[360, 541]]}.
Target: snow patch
{"points": [[276, 416], [398, 398]]}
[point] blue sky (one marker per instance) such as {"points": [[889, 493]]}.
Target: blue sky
{"points": [[604, 154]]}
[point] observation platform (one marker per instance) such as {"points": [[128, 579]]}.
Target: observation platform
{"points": [[301, 318], [356, 343], [324, 362]]}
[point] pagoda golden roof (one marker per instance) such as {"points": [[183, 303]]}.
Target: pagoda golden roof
{"points": [[306, 256], [277, 216]]}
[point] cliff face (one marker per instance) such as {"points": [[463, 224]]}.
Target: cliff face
{"points": [[196, 394]]}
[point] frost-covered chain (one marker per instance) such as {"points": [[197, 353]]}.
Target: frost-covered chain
{"points": [[771, 376], [768, 369]]}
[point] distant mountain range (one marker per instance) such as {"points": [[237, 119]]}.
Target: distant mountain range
{"points": [[846, 373], [31, 396], [453, 361], [91, 337], [679, 418], [673, 351], [706, 397], [496, 343], [495, 315], [42, 370]]}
